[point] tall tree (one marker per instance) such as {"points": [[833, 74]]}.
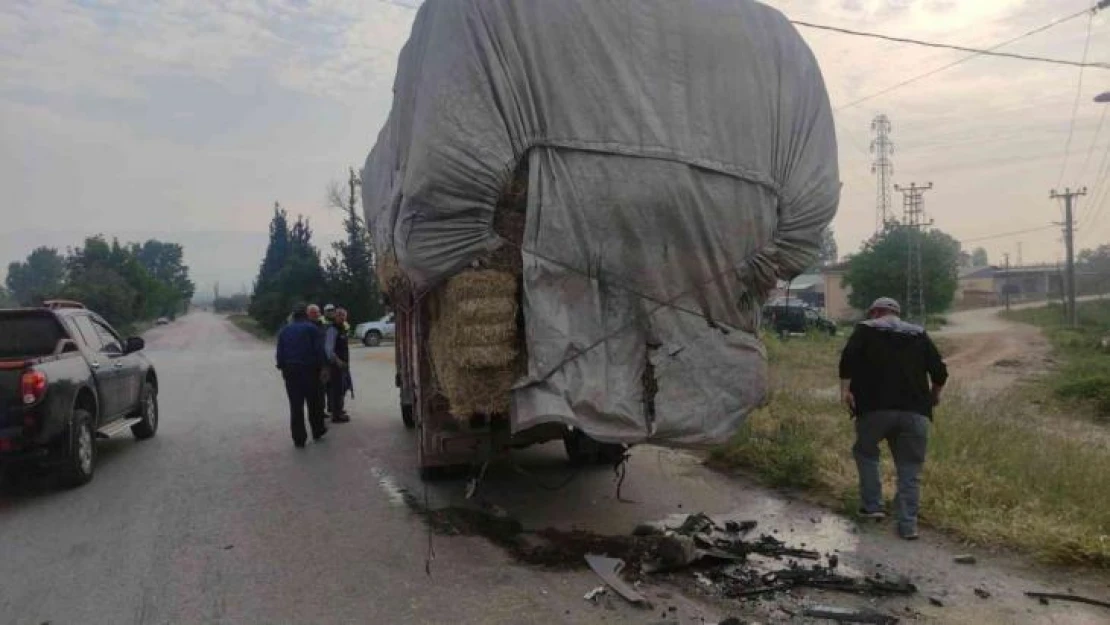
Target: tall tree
{"points": [[352, 282], [979, 258], [6, 299], [829, 252], [166, 263], [40, 276], [290, 271], [879, 269]]}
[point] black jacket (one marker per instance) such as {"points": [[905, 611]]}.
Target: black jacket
{"points": [[891, 363]]}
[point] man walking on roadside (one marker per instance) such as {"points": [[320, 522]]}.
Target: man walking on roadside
{"points": [[300, 357], [321, 323], [891, 376], [338, 354]]}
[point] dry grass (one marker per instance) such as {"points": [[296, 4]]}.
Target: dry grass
{"points": [[995, 475], [1081, 383]]}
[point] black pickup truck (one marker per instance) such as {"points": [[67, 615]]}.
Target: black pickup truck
{"points": [[66, 379]]}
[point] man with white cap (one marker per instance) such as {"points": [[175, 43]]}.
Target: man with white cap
{"points": [[891, 377]]}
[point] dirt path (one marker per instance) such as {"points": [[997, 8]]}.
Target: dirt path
{"points": [[987, 354]]}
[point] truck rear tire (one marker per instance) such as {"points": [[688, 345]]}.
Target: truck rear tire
{"points": [[407, 417], [372, 338], [583, 450], [148, 412], [79, 462]]}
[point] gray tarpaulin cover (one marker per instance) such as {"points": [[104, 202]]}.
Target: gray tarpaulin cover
{"points": [[681, 157]]}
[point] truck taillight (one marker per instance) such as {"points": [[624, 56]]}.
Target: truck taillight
{"points": [[32, 386]]}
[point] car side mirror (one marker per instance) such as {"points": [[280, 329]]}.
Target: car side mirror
{"points": [[134, 344]]}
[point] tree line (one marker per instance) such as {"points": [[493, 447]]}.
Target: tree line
{"points": [[293, 271], [124, 283]]}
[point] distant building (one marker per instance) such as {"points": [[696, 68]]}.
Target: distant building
{"points": [[980, 287], [837, 294], [823, 289]]}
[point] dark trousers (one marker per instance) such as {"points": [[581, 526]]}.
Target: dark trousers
{"points": [[337, 389], [907, 434], [302, 385]]}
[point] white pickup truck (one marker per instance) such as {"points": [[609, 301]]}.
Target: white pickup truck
{"points": [[371, 333]]}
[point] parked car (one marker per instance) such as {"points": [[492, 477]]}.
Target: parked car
{"points": [[67, 378], [372, 333], [797, 318], [161, 321]]}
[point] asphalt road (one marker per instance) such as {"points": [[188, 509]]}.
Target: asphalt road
{"points": [[219, 519]]}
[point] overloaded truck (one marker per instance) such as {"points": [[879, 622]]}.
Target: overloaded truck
{"points": [[579, 209]]}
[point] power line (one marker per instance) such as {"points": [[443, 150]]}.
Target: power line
{"points": [[1098, 198], [1101, 5], [1003, 235], [1075, 106], [948, 46], [1094, 142]]}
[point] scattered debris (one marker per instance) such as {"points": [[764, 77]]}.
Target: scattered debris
{"points": [[834, 561], [228, 547], [1008, 363], [742, 527], [609, 570], [594, 594], [1045, 596], [982, 594], [936, 602], [965, 559], [845, 615], [732, 620]]}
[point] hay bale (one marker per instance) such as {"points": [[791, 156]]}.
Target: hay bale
{"points": [[475, 343], [389, 272]]}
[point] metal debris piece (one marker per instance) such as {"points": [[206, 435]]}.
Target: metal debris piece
{"points": [[696, 524], [594, 594], [825, 579], [834, 561], [742, 527], [672, 552], [1045, 596], [965, 559], [936, 602], [609, 570], [845, 615], [982, 594]]}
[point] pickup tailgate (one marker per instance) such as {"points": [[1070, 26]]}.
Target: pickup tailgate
{"points": [[25, 337]]}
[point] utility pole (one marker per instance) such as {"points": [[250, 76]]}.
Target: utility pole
{"points": [[883, 168], [913, 218], [1069, 249], [1019, 263], [1006, 283]]}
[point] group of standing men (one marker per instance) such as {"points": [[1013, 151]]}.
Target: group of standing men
{"points": [[313, 355]]}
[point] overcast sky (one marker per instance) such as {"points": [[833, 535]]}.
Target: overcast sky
{"points": [[186, 120]]}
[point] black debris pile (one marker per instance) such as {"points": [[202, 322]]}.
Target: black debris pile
{"points": [[721, 556]]}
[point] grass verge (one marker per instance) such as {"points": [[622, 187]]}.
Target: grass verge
{"points": [[1082, 379], [991, 477], [249, 325]]}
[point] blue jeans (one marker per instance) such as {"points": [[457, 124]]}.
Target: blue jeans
{"points": [[907, 434]]}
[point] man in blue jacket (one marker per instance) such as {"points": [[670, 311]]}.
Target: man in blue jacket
{"points": [[300, 357]]}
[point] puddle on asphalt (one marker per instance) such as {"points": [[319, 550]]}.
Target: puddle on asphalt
{"points": [[397, 496]]}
